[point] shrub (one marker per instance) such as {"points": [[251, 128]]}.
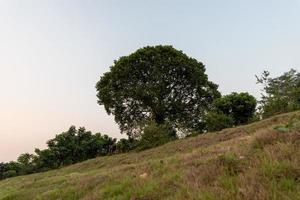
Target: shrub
{"points": [[217, 121], [154, 135], [10, 173], [240, 106], [125, 145]]}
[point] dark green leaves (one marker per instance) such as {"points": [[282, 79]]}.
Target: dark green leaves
{"points": [[240, 106], [157, 83]]}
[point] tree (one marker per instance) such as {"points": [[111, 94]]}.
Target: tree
{"points": [[239, 106], [125, 145], [158, 84], [73, 146], [12, 169], [10, 173], [66, 148], [155, 135], [280, 94], [2, 170], [216, 121], [26, 162]]}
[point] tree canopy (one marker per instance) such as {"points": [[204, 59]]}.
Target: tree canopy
{"points": [[157, 83], [240, 106], [216, 121]]}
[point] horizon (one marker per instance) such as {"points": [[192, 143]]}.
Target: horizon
{"points": [[54, 52]]}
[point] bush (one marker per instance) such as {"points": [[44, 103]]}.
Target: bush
{"points": [[10, 173], [154, 135], [240, 106], [125, 145], [217, 121]]}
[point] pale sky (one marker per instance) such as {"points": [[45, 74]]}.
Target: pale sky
{"points": [[52, 53]]}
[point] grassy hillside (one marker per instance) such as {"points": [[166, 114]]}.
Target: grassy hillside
{"points": [[257, 161]]}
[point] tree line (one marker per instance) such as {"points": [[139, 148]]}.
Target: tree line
{"points": [[159, 94], [66, 148]]}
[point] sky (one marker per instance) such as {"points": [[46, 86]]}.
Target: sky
{"points": [[52, 53]]}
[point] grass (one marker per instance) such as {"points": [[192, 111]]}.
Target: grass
{"points": [[256, 161]]}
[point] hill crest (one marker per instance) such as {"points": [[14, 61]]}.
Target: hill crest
{"points": [[247, 162]]}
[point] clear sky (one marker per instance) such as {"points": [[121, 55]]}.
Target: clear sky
{"points": [[52, 53]]}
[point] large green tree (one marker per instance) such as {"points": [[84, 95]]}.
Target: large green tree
{"points": [[157, 83]]}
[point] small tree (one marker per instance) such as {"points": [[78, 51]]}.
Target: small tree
{"points": [[26, 162], [125, 145], [239, 106], [280, 94], [216, 121], [158, 84], [154, 135]]}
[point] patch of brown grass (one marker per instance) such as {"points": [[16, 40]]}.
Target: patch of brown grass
{"points": [[266, 137], [203, 176], [251, 187]]}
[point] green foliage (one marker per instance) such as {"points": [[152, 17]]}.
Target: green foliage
{"points": [[280, 94], [66, 148], [240, 106], [74, 146], [217, 121], [155, 135], [231, 110], [10, 173], [126, 145], [2, 170], [158, 84], [26, 161], [10, 169]]}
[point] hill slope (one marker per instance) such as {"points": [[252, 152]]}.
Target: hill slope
{"points": [[248, 162]]}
